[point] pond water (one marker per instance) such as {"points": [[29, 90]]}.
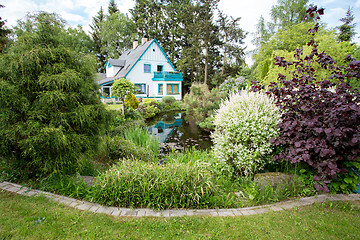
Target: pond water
{"points": [[176, 129]]}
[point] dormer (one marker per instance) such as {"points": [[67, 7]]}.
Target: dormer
{"points": [[113, 66]]}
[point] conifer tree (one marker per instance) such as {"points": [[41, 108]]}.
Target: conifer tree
{"points": [[347, 30], [3, 33], [96, 28], [112, 8]]}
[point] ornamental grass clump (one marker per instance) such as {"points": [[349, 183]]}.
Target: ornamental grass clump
{"points": [[144, 184], [245, 123]]}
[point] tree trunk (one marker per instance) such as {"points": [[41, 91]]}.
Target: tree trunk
{"points": [[224, 59], [206, 64]]}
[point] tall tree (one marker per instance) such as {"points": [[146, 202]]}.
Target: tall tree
{"points": [[347, 30], [118, 33], [264, 31], [232, 37], [112, 8], [288, 12], [148, 17], [77, 39], [96, 35], [3, 33]]}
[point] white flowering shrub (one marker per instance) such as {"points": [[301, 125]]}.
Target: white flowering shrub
{"points": [[244, 125]]}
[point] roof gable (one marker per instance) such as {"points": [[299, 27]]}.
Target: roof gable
{"points": [[129, 59]]}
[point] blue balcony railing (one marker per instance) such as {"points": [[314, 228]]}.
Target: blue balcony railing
{"points": [[167, 76]]}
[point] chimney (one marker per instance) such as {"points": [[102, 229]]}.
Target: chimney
{"points": [[143, 40], [135, 44]]}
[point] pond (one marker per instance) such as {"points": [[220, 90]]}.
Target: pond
{"points": [[178, 130]]}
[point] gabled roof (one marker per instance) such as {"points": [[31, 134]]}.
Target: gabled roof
{"points": [[115, 62], [129, 60]]}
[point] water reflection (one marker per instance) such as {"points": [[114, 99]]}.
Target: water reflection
{"points": [[178, 129], [164, 128]]}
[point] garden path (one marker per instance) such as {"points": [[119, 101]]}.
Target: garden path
{"points": [[141, 212]]}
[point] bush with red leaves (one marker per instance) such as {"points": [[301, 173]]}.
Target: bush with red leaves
{"points": [[321, 120]]}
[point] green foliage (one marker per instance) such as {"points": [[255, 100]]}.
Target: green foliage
{"points": [[202, 103], [142, 184], [117, 34], [284, 43], [131, 101], [121, 88], [169, 100], [4, 32], [50, 109], [149, 108], [347, 29], [140, 137], [245, 123], [115, 148]]}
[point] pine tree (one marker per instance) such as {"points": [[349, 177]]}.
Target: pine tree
{"points": [[347, 30], [112, 8], [96, 28], [3, 33]]}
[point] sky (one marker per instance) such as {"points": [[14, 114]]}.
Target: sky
{"points": [[81, 12]]}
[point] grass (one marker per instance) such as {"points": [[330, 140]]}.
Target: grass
{"points": [[36, 218], [140, 137], [113, 106]]}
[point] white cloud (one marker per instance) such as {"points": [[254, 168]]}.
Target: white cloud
{"points": [[357, 4]]}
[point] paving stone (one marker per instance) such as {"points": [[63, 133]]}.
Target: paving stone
{"points": [[205, 212], [237, 212], [153, 213], [286, 206], [141, 213], [165, 213], [248, 212], [177, 213], [83, 206], [261, 210], [116, 212], [74, 203], [101, 209], [94, 208], [31, 193], [22, 191], [276, 208], [108, 210], [226, 213], [131, 213], [190, 212]]}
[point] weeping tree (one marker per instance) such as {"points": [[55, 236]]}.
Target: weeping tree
{"points": [[50, 109]]}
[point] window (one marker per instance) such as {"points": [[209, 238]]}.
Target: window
{"points": [[160, 89], [172, 89], [106, 92], [159, 68], [147, 68], [141, 88]]}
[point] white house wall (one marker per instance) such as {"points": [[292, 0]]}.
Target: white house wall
{"points": [[111, 71], [153, 56]]}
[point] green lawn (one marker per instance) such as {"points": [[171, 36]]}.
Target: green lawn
{"points": [[36, 218], [113, 106]]}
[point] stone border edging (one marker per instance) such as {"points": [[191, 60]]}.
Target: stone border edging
{"points": [[142, 212]]}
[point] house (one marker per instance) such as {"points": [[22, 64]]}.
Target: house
{"points": [[148, 68]]}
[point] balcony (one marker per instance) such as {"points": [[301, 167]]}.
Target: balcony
{"points": [[167, 76]]}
